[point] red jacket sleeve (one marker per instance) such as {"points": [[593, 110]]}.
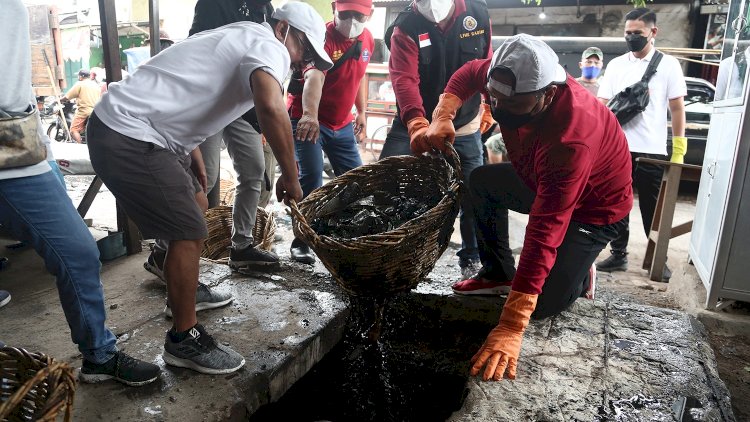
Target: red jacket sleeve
{"points": [[404, 69], [562, 174], [469, 79]]}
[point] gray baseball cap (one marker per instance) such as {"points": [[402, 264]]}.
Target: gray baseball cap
{"points": [[534, 64]]}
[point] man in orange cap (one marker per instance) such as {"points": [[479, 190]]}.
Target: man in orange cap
{"points": [[322, 111]]}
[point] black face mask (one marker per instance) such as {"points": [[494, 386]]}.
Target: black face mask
{"points": [[512, 121], [636, 42]]}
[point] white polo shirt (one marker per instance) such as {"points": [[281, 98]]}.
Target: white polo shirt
{"points": [[647, 132], [194, 88]]}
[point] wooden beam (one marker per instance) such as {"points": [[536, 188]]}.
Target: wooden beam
{"points": [[110, 41], [113, 67], [153, 13]]}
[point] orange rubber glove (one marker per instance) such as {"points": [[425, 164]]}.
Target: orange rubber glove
{"points": [[486, 121], [418, 141], [503, 345], [441, 129]]}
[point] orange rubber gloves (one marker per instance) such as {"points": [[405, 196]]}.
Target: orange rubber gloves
{"points": [[486, 121], [418, 141], [441, 129], [503, 345]]}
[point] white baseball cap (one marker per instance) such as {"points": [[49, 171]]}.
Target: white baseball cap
{"points": [[534, 64], [304, 18]]}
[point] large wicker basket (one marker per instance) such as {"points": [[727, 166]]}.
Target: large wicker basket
{"points": [[219, 222], [399, 259], [34, 387]]}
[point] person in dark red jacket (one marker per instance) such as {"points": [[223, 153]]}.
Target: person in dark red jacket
{"points": [[569, 170], [429, 41]]}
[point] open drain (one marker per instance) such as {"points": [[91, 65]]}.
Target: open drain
{"points": [[415, 371]]}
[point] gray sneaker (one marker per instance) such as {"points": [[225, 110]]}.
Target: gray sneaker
{"points": [[200, 352], [205, 298]]}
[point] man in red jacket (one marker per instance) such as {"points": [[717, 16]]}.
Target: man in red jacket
{"points": [[320, 104], [569, 170]]}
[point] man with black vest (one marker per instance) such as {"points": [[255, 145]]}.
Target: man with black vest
{"points": [[429, 41], [320, 104]]}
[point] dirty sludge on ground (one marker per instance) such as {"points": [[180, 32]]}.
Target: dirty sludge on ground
{"points": [[609, 359]]}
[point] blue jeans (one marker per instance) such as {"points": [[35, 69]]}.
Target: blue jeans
{"points": [[339, 145], [471, 153], [38, 211]]}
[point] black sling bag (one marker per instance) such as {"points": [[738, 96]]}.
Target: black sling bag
{"points": [[632, 100]]}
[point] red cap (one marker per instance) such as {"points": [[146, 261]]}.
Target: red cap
{"points": [[362, 6]]}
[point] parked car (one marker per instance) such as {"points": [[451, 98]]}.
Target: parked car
{"points": [[698, 109]]}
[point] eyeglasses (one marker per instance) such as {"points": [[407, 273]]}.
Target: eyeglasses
{"points": [[348, 14], [308, 54]]}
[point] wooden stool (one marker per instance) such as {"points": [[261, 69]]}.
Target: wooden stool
{"points": [[661, 226]]}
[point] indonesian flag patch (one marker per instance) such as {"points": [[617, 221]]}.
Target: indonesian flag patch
{"points": [[424, 40]]}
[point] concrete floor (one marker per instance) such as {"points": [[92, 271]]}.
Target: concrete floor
{"points": [[283, 323]]}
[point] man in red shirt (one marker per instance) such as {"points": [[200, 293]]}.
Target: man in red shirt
{"points": [[429, 41], [569, 170], [322, 111]]}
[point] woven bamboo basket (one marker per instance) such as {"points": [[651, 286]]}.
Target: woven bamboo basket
{"points": [[398, 259], [226, 191], [34, 387], [219, 222]]}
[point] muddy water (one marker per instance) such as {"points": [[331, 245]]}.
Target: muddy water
{"points": [[391, 366]]}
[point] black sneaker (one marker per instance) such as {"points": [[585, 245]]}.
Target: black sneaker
{"points": [[206, 298], [121, 367], [155, 264], [200, 352], [618, 261], [252, 257]]}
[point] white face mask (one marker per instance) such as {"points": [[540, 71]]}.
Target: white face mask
{"points": [[350, 28], [435, 10]]}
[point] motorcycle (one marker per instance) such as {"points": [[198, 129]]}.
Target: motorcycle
{"points": [[55, 130]]}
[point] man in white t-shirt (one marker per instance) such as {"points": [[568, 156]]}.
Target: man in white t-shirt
{"points": [[145, 131], [647, 132]]}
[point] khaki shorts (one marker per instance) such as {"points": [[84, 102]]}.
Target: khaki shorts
{"points": [[155, 186], [79, 123]]}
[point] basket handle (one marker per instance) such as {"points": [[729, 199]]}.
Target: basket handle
{"points": [[301, 223], [452, 157]]}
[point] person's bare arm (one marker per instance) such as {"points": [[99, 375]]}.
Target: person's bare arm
{"points": [[308, 128], [360, 102], [199, 168], [274, 120], [677, 108]]}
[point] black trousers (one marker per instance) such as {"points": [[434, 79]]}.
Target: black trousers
{"points": [[647, 181], [495, 189]]}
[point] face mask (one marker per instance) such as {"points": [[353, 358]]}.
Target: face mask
{"points": [[350, 28], [590, 72], [513, 121], [636, 42], [435, 10]]}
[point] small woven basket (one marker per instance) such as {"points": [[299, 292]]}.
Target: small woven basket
{"points": [[398, 259], [226, 191], [34, 387], [219, 222]]}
